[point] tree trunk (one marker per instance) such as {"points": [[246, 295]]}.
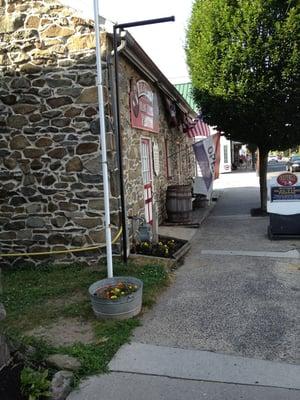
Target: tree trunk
{"points": [[253, 161], [263, 164]]}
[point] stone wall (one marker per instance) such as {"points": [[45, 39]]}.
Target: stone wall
{"points": [[50, 172], [51, 190], [180, 150]]}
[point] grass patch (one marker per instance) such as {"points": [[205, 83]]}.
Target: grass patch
{"points": [[36, 297]]}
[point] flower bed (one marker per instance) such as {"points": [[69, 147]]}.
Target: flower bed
{"points": [[165, 248]]}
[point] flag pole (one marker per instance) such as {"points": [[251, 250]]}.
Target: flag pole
{"points": [[102, 134]]}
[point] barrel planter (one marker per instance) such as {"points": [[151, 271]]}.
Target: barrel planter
{"points": [[179, 203], [122, 308]]}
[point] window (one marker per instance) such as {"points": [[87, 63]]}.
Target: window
{"points": [[225, 150]]}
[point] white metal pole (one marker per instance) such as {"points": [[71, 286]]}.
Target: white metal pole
{"points": [[103, 143]]}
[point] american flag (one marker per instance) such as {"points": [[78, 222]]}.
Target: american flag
{"points": [[197, 127]]}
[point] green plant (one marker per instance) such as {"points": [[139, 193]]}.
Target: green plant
{"points": [[244, 61], [35, 384]]}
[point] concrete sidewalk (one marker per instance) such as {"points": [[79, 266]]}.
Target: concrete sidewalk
{"points": [[228, 327], [128, 386]]}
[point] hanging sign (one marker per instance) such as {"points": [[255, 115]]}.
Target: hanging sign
{"points": [[144, 112], [156, 158], [205, 153]]}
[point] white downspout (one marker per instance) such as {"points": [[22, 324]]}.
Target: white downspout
{"points": [[103, 143]]}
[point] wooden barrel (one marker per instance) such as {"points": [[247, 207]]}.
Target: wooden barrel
{"points": [[179, 203]]}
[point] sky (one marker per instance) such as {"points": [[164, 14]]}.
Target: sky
{"points": [[164, 43]]}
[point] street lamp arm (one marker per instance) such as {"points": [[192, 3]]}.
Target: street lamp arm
{"points": [[144, 22]]}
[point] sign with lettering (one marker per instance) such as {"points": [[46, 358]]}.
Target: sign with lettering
{"points": [[285, 193], [206, 156], [156, 158], [144, 113], [287, 179]]}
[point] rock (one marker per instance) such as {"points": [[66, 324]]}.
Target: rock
{"points": [[19, 58], [59, 101], [38, 82], [90, 178], [28, 180], [58, 238], [63, 361], [73, 112], [33, 21], [9, 99], [86, 148], [20, 83], [28, 191], [43, 142], [48, 180], [96, 204], [10, 163], [61, 122], [17, 121], [46, 92], [88, 95], [64, 206], [14, 226], [59, 222], [93, 165], [24, 108], [55, 165], [4, 352], [59, 82], [10, 23], [90, 112], [87, 222], [17, 201], [57, 153], [97, 236], [73, 92], [89, 193], [36, 165], [19, 142], [74, 165], [81, 42], [87, 79], [32, 152], [35, 222], [2, 312], [30, 68], [51, 114], [53, 31], [8, 235], [95, 126], [4, 153], [35, 118], [61, 385]]}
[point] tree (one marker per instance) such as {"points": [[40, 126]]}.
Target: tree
{"points": [[244, 58]]}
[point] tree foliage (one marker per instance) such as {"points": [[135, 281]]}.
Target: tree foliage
{"points": [[244, 60]]}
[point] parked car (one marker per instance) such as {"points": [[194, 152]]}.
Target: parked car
{"points": [[293, 164], [272, 159]]}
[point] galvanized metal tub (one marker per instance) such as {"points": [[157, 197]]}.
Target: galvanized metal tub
{"points": [[123, 308]]}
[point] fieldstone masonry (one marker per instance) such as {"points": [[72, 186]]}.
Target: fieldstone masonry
{"points": [[50, 171], [51, 189]]}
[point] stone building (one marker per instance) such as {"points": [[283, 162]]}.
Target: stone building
{"points": [[51, 190]]}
